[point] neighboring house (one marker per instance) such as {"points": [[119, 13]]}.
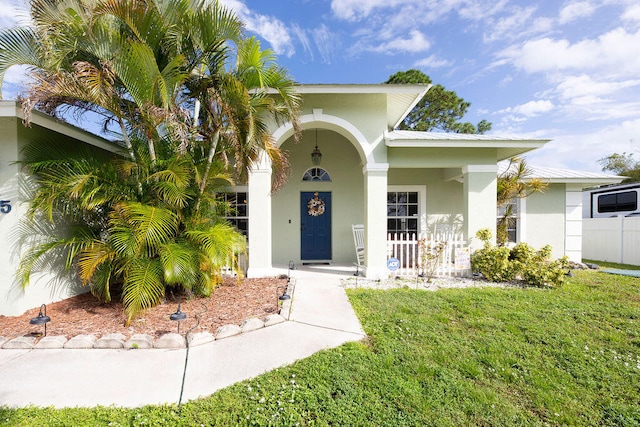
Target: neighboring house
{"points": [[13, 137], [369, 173]]}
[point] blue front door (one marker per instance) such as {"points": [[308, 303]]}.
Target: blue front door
{"points": [[315, 225]]}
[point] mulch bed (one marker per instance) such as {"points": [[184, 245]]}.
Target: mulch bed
{"points": [[231, 303]]}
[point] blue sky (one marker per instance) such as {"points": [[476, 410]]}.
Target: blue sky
{"points": [[562, 70]]}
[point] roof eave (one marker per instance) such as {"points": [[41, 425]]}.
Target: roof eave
{"points": [[412, 106], [584, 182], [494, 143], [13, 109]]}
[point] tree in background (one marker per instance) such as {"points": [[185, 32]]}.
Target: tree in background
{"points": [[623, 165], [192, 97], [439, 110]]}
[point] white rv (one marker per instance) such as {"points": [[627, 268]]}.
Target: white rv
{"points": [[611, 201]]}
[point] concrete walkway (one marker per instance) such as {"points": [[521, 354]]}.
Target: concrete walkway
{"points": [[321, 317]]}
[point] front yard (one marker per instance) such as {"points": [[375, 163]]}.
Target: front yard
{"points": [[500, 357]]}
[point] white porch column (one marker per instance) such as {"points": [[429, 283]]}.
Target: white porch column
{"points": [[375, 227], [573, 223], [259, 211], [480, 209]]}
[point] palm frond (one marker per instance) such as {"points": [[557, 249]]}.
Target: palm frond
{"points": [[18, 46], [152, 226], [143, 286], [180, 264], [218, 242]]}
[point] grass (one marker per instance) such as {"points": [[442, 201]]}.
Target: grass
{"points": [[499, 357], [606, 264]]}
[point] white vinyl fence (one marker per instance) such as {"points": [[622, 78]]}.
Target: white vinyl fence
{"points": [[611, 239], [453, 261]]}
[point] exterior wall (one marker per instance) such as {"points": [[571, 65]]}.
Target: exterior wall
{"points": [[44, 288], [479, 189], [367, 112], [341, 160], [440, 157], [545, 219], [444, 199]]}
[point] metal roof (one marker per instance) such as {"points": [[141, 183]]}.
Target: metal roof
{"points": [[557, 175]]}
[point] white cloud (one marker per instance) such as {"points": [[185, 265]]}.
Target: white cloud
{"points": [[351, 10], [632, 14], [583, 85], [416, 42], [583, 150], [16, 80], [274, 31], [18, 75], [509, 25], [432, 61], [474, 10], [575, 10], [13, 13], [303, 38], [533, 108], [615, 51], [528, 109], [325, 42], [268, 27]]}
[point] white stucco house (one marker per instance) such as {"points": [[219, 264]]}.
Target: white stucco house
{"points": [[370, 173], [394, 181]]}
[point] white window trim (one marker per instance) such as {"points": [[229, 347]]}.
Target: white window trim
{"points": [[422, 202], [521, 221], [316, 167], [240, 189]]}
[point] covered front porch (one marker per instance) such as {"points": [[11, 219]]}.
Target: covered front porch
{"points": [[400, 182]]}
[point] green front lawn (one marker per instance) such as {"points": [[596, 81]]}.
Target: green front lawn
{"points": [[499, 357]]}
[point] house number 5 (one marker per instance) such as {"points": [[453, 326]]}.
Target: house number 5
{"points": [[5, 206]]}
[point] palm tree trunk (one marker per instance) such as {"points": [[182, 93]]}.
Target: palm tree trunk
{"points": [[212, 152], [127, 142]]}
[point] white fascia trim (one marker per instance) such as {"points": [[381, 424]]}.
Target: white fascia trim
{"points": [[480, 168], [360, 88], [583, 182], [12, 109], [417, 143], [413, 104]]}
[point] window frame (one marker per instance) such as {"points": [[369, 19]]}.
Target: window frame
{"points": [[421, 216], [519, 226], [325, 174], [617, 205], [232, 219]]}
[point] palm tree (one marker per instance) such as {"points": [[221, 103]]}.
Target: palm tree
{"points": [[192, 98], [513, 183]]}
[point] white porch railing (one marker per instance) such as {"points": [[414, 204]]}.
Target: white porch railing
{"points": [[406, 249]]}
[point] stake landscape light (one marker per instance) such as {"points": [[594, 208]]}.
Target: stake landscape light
{"points": [[178, 316], [42, 319]]}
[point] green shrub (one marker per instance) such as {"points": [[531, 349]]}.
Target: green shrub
{"points": [[534, 267], [493, 263]]}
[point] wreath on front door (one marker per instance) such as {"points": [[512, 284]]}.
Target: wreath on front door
{"points": [[315, 206]]}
